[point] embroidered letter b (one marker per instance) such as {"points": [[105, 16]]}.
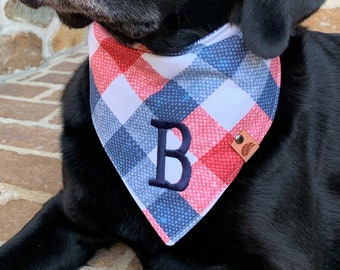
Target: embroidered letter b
{"points": [[179, 154]]}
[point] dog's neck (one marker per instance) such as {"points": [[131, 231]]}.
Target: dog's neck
{"points": [[178, 30]]}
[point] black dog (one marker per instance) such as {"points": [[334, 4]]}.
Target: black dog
{"points": [[283, 209]]}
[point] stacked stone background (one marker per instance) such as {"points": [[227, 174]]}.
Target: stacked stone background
{"points": [[28, 37]]}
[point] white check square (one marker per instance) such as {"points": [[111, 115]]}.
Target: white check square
{"points": [[174, 66], [228, 104], [121, 99]]}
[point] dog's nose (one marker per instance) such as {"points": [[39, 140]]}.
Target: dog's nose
{"points": [[32, 3]]}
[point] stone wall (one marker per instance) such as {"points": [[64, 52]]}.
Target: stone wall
{"points": [[30, 37]]}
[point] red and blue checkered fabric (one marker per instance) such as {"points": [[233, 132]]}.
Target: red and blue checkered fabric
{"points": [[216, 87]]}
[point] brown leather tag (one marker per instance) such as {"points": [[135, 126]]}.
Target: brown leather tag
{"points": [[245, 145]]}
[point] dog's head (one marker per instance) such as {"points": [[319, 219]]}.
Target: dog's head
{"points": [[169, 25]]}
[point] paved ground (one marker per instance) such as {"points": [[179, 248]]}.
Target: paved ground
{"points": [[30, 170], [30, 165]]}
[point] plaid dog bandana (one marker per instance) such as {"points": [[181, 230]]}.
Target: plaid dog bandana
{"points": [[179, 128]]}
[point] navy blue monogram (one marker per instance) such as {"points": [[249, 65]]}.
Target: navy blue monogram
{"points": [[179, 154]]}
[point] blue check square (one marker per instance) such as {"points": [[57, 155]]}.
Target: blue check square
{"points": [[122, 145], [172, 222], [172, 103]]}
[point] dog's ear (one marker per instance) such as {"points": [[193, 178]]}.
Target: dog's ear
{"points": [[267, 24]]}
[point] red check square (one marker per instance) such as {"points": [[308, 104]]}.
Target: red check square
{"points": [[255, 122], [103, 79], [146, 85], [204, 180], [123, 56], [205, 131], [228, 163]]}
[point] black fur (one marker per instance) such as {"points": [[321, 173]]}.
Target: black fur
{"points": [[283, 209]]}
